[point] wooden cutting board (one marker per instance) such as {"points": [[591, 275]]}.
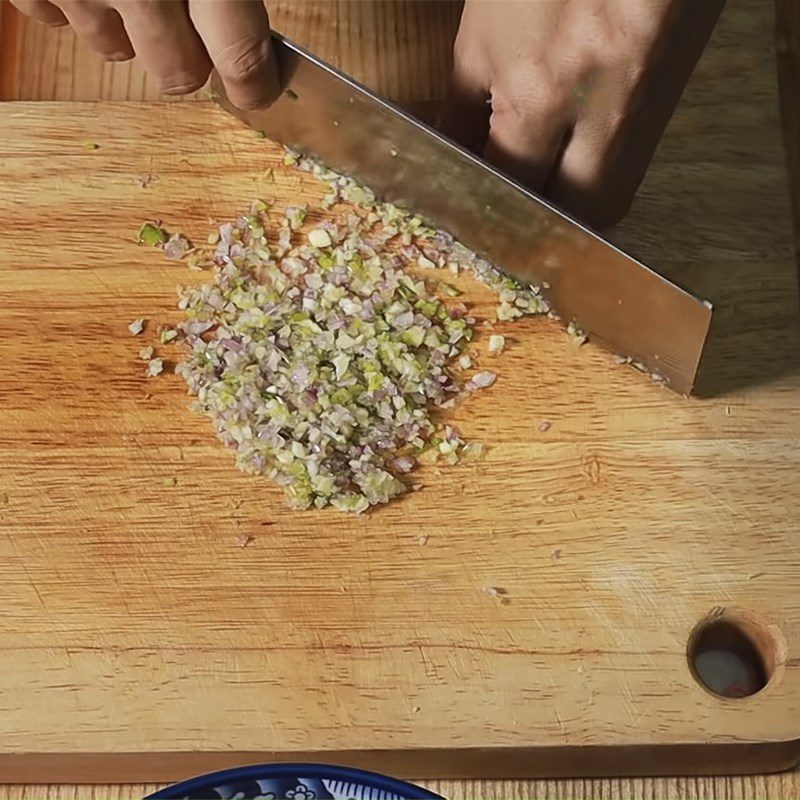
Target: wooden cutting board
{"points": [[140, 640]]}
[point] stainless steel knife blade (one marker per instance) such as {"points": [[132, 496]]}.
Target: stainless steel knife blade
{"points": [[633, 310]]}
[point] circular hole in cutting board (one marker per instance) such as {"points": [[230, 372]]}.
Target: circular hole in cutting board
{"points": [[731, 656]]}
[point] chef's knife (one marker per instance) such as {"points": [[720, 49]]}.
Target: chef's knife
{"points": [[633, 310]]}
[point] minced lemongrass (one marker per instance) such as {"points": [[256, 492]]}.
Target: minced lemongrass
{"points": [[319, 237], [136, 327], [146, 353], [576, 333], [496, 344], [155, 367]]}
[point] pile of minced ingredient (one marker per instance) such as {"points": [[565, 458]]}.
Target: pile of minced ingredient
{"points": [[321, 354]]}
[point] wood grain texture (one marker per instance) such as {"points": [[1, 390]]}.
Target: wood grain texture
{"points": [[685, 229]]}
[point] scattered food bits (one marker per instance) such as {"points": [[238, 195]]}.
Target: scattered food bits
{"points": [[295, 217], [4, 498], [152, 234], [500, 594], [260, 135], [556, 554], [197, 263], [167, 335], [146, 353], [172, 481], [155, 367], [137, 326], [145, 180], [545, 425], [473, 451], [243, 541], [91, 146], [496, 344], [422, 540], [451, 291], [177, 246], [481, 380], [576, 333], [319, 237], [416, 709]]}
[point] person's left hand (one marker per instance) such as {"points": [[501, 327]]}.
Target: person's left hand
{"points": [[177, 41], [579, 91]]}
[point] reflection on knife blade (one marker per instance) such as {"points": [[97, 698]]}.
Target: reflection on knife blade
{"points": [[636, 312]]}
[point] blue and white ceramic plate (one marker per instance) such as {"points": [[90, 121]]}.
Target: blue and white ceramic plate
{"points": [[293, 782]]}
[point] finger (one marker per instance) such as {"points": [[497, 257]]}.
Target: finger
{"points": [[101, 27], [41, 11], [167, 44], [603, 164], [617, 132], [237, 36], [530, 121], [465, 116]]}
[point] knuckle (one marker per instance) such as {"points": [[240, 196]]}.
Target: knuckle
{"points": [[243, 61], [525, 94], [637, 23]]}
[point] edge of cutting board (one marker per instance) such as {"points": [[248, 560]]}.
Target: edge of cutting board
{"points": [[513, 762]]}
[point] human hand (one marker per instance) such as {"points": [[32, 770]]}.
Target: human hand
{"points": [[571, 96], [177, 40]]}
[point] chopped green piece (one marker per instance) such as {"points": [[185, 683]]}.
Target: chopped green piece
{"points": [[152, 234]]}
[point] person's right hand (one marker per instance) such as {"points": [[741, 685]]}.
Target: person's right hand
{"points": [[178, 41]]}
